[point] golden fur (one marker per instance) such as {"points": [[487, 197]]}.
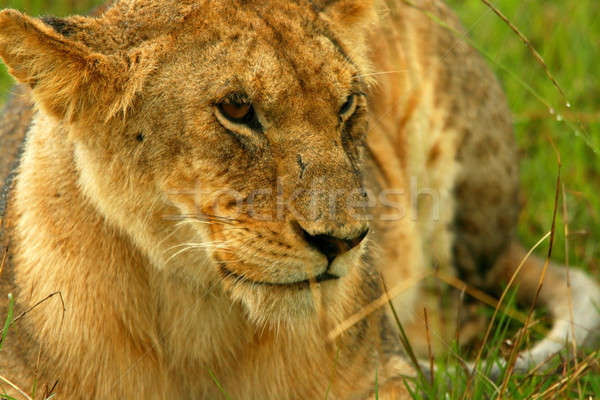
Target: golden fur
{"points": [[185, 244]]}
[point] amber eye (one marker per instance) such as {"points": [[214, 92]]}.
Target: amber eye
{"points": [[348, 107], [236, 112]]}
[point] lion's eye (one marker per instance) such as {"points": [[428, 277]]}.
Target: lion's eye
{"points": [[235, 112], [348, 107]]}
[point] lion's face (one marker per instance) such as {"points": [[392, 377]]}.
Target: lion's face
{"points": [[248, 130], [269, 115]]}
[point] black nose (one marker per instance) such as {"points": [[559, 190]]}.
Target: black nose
{"points": [[332, 246]]}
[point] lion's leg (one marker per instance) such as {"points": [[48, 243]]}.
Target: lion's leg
{"points": [[572, 297]]}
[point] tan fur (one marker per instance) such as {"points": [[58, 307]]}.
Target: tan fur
{"points": [[177, 238]]}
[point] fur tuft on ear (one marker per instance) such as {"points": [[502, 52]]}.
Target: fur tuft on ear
{"points": [[70, 81], [60, 25]]}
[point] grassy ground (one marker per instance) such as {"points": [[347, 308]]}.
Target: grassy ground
{"points": [[567, 35]]}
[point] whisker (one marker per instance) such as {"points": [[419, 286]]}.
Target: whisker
{"points": [[381, 73], [217, 217], [200, 245], [203, 218], [196, 246], [177, 253], [178, 226]]}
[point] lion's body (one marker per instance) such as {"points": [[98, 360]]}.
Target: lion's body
{"points": [[111, 205]]}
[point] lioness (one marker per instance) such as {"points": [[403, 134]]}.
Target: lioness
{"points": [[221, 192]]}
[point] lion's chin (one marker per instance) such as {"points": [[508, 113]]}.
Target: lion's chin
{"points": [[324, 300], [293, 306]]}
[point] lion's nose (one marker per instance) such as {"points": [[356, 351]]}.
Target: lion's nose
{"points": [[332, 246]]}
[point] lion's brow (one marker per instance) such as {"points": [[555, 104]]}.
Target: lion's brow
{"points": [[319, 28]]}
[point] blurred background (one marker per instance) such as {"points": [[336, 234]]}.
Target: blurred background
{"points": [[567, 35]]}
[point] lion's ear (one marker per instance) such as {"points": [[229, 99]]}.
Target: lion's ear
{"points": [[350, 12], [68, 79]]}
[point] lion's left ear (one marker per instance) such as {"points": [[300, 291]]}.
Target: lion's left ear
{"points": [[68, 79]]}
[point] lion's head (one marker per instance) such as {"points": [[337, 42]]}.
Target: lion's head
{"points": [[223, 137]]}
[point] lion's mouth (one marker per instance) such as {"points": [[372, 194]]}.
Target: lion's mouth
{"points": [[323, 277]]}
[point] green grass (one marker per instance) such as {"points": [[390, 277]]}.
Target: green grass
{"points": [[567, 35], [561, 379]]}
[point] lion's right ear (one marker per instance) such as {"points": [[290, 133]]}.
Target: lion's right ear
{"points": [[348, 13], [67, 78]]}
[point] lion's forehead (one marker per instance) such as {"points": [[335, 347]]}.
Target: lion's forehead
{"points": [[276, 57]]}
